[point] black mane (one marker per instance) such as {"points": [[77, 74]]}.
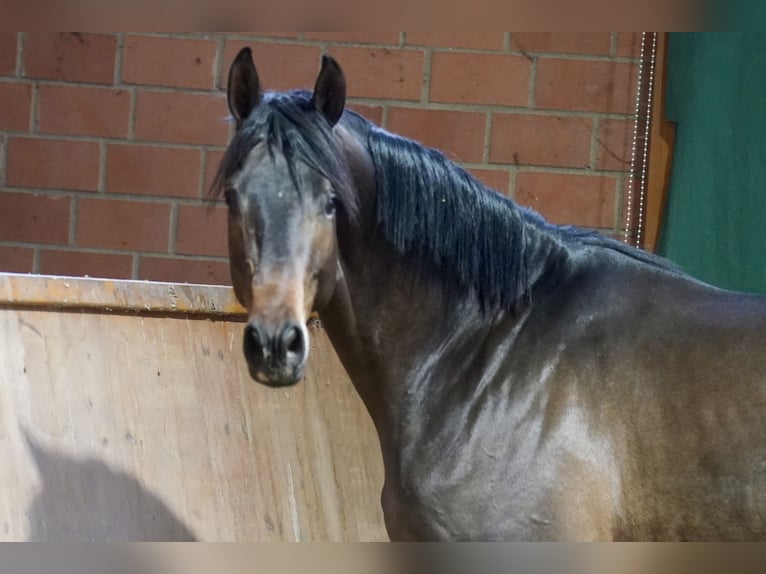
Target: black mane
{"points": [[427, 207], [434, 210]]}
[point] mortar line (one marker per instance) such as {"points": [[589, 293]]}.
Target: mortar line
{"points": [[36, 260], [110, 196], [73, 218], [512, 183], [3, 158], [219, 64], [119, 56], [112, 251], [132, 115], [201, 191], [34, 109], [102, 167], [532, 101], [173, 229], [619, 198], [487, 137], [134, 270], [594, 141], [20, 45]]}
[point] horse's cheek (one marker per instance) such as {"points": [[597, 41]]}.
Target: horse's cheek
{"points": [[238, 268]]}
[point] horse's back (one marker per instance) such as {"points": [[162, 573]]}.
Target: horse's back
{"points": [[629, 405], [670, 375]]}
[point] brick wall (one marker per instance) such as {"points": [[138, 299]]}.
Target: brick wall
{"points": [[109, 141]]}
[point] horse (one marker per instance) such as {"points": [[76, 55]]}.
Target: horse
{"points": [[527, 381]]}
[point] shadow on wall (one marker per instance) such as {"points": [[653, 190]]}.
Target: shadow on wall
{"points": [[85, 500]]}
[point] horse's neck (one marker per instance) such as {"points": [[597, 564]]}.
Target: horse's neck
{"points": [[392, 332], [370, 310], [396, 336]]}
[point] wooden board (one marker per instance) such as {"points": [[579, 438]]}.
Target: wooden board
{"points": [[126, 426], [663, 134]]}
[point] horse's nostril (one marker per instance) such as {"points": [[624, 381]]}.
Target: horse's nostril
{"points": [[292, 340], [289, 338], [255, 342]]}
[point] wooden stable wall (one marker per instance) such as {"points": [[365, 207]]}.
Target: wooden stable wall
{"points": [[126, 413]]}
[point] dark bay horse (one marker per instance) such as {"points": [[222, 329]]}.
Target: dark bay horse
{"points": [[527, 381]]}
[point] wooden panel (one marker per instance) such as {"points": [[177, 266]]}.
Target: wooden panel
{"points": [[662, 138], [130, 427], [106, 295]]}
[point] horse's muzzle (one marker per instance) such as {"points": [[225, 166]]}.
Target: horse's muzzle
{"points": [[276, 355]]}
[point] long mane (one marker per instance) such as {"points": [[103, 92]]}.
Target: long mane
{"points": [[435, 211]]}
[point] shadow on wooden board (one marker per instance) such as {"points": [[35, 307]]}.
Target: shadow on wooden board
{"points": [[85, 500]]}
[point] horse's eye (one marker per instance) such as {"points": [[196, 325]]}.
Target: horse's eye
{"points": [[331, 206]]}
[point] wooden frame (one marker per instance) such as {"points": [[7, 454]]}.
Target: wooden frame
{"points": [[660, 151]]}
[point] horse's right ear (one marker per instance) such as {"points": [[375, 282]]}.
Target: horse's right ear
{"points": [[244, 88], [329, 95]]}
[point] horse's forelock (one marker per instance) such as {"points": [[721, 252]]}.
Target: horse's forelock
{"points": [[289, 126]]}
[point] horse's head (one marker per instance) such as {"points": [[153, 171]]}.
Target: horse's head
{"points": [[283, 181]]}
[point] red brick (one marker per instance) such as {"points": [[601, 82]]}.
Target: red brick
{"points": [[629, 44], [524, 139], [16, 101], [212, 161], [34, 218], [79, 110], [202, 231], [184, 271], [53, 164], [591, 43], [117, 224], [586, 86], [460, 135], [381, 73], [8, 43], [496, 179], [585, 200], [16, 259], [79, 264], [355, 37], [70, 56], [280, 66], [480, 79], [471, 40], [179, 63], [615, 144], [372, 113], [182, 118], [150, 170]]}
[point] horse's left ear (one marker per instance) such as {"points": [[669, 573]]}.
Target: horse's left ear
{"points": [[330, 90], [244, 88]]}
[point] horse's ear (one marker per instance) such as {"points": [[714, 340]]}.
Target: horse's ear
{"points": [[244, 88], [330, 90]]}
